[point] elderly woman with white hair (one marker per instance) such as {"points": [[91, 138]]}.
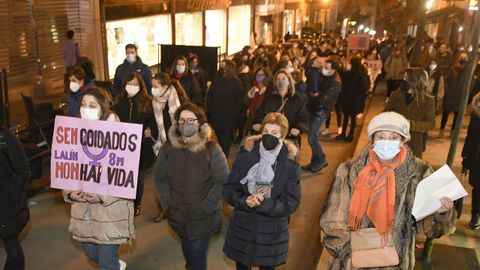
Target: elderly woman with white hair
{"points": [[367, 221]]}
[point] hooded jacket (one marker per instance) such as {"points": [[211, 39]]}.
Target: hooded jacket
{"points": [[259, 236], [333, 221], [125, 69], [189, 180]]}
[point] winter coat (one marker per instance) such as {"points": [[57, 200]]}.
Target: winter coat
{"points": [[324, 101], [333, 221], [75, 98], [125, 69], [225, 103], [354, 90], [445, 62], [259, 236], [395, 67], [471, 151], [127, 111], [109, 222], [453, 90], [192, 87], [14, 174], [436, 86], [294, 110], [421, 115], [313, 76], [189, 180]]}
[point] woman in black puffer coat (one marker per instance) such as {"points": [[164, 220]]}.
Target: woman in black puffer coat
{"points": [[264, 189], [14, 213]]}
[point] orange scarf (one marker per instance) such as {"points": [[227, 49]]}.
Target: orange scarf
{"points": [[374, 194]]}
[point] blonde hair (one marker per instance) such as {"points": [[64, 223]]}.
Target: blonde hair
{"points": [[418, 79], [278, 119]]}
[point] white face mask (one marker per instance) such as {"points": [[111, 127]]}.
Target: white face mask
{"points": [[74, 86], [325, 72], [132, 90], [90, 113], [290, 69], [180, 69], [386, 149], [157, 92], [131, 58]]}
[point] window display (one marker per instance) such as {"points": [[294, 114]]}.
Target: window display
{"points": [[238, 28], [215, 24], [145, 33], [188, 28]]}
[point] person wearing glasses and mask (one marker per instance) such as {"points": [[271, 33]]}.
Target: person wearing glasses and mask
{"points": [[372, 195], [264, 189], [189, 175]]}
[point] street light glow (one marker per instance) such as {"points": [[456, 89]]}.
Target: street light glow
{"points": [[429, 4], [460, 29], [360, 28], [366, 30], [372, 32]]}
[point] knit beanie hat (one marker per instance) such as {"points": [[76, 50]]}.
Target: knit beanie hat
{"points": [[389, 121]]}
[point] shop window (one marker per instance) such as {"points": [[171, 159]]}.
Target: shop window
{"points": [[188, 29], [238, 28], [215, 24]]}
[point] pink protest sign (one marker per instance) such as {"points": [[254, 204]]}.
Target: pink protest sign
{"points": [[98, 157]]}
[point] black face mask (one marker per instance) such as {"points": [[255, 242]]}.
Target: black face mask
{"points": [[404, 85], [269, 142]]}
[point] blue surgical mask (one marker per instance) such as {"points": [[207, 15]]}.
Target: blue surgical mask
{"points": [[282, 84], [386, 149], [260, 78]]}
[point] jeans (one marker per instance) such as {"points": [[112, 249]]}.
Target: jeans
{"points": [[240, 266], [106, 256], [225, 138], [140, 185], [15, 257], [195, 252], [316, 122]]}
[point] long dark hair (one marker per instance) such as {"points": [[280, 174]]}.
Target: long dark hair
{"points": [[144, 101], [165, 79], [103, 98], [174, 65]]}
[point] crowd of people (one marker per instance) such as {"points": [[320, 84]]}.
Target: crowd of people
{"points": [[265, 99]]}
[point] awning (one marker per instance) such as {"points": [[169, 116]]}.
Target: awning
{"points": [[444, 14]]}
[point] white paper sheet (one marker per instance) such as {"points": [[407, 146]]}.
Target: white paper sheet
{"points": [[442, 183]]}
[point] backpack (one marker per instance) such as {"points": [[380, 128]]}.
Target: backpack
{"points": [[208, 148]]}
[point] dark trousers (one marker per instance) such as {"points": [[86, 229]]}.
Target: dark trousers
{"points": [[392, 85], [244, 267], [353, 121], [140, 184], [195, 253], [445, 115], [225, 138], [338, 112], [15, 257], [475, 202]]}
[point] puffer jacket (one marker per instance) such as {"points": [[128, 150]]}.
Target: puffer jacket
{"points": [[333, 222], [108, 223]]}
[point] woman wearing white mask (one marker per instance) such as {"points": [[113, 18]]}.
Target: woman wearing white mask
{"points": [[284, 100], [134, 105], [100, 223], [372, 195], [181, 71], [264, 189], [78, 84], [436, 85]]}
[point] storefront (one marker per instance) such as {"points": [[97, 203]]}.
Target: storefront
{"points": [[238, 28], [216, 29], [293, 17], [269, 20]]}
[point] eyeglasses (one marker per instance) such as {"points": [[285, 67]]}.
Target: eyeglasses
{"points": [[182, 121]]}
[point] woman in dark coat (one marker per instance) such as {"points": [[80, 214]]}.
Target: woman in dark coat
{"points": [[14, 214], [355, 85], [224, 104], [181, 72], [284, 100], [134, 105], [189, 176], [471, 160], [264, 189], [79, 82], [451, 100]]}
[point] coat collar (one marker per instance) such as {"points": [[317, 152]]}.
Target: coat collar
{"points": [[252, 142], [197, 145]]}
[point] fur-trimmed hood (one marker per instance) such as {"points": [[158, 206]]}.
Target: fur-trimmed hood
{"points": [[249, 145], [200, 139]]}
